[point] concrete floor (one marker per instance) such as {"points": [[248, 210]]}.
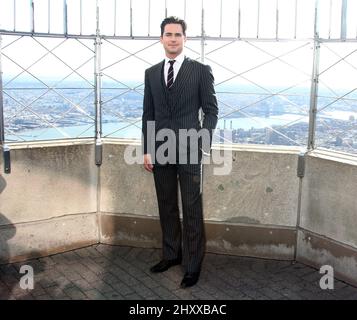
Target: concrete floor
{"points": [[116, 272]]}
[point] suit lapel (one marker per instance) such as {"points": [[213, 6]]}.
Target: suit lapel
{"points": [[160, 83], [158, 71]]}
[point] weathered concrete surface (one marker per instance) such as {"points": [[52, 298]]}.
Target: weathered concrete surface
{"points": [[244, 240], [252, 241], [329, 199], [136, 231], [262, 188], [34, 239], [49, 181], [318, 251], [48, 203], [125, 189]]}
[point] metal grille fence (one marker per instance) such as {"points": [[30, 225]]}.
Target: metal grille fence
{"points": [[285, 70]]}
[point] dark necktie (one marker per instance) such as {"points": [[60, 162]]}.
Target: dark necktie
{"points": [[170, 74]]}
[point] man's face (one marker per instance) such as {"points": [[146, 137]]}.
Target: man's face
{"points": [[173, 40]]}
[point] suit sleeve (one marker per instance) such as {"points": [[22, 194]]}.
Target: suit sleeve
{"points": [[209, 104], [148, 117]]}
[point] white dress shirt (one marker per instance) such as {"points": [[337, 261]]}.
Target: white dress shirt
{"points": [[177, 65]]}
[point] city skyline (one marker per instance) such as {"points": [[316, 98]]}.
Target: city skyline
{"points": [[267, 121]]}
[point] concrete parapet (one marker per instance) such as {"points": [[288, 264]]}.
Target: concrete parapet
{"points": [[48, 203], [56, 199]]}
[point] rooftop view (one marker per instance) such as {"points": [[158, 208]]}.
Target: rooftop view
{"points": [[82, 213], [262, 60]]}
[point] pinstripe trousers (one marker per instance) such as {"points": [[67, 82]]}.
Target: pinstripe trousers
{"points": [[187, 242]]}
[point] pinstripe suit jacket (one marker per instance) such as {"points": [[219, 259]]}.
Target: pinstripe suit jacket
{"points": [[178, 108]]}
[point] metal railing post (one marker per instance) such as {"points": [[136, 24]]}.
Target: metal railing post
{"points": [[32, 17], [2, 133], [314, 83], [202, 49], [343, 19], [239, 20], [277, 20], [80, 17], [200, 115], [131, 19], [4, 147], [202, 35], [65, 16], [14, 15], [49, 15], [97, 93]]}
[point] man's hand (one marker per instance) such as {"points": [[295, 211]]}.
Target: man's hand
{"points": [[147, 162]]}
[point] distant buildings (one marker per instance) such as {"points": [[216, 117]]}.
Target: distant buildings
{"points": [[25, 112]]}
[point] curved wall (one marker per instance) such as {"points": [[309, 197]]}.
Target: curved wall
{"points": [[56, 199]]}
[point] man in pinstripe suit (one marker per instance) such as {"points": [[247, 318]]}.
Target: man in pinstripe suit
{"points": [[176, 89]]}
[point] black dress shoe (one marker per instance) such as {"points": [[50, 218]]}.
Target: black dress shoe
{"points": [[190, 279], [164, 265]]}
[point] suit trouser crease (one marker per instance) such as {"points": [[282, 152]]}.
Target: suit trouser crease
{"points": [[192, 235]]}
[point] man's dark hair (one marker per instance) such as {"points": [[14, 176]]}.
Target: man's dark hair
{"points": [[176, 20]]}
